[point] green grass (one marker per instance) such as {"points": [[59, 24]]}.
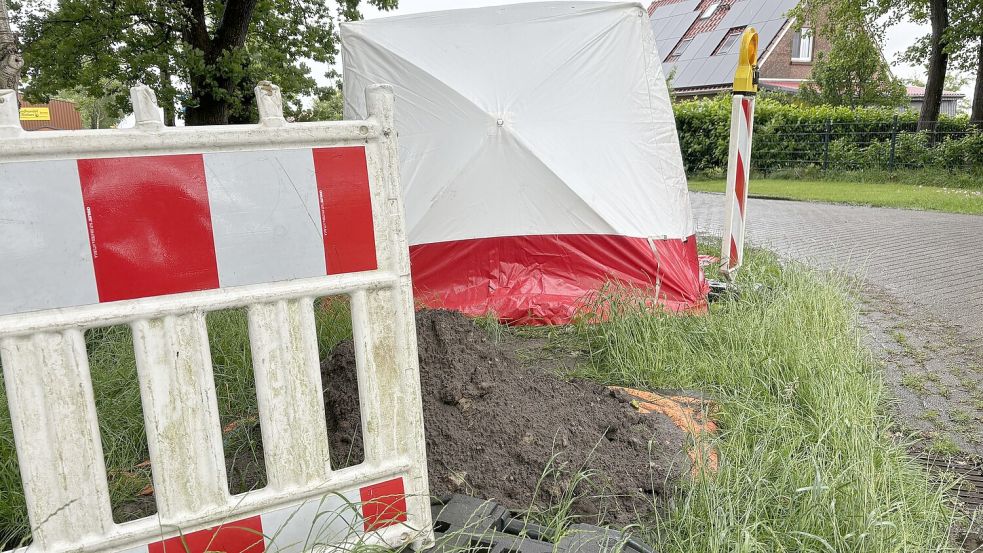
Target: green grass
{"points": [[117, 394], [904, 196], [806, 458]]}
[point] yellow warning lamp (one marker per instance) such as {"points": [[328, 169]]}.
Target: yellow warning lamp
{"points": [[746, 78]]}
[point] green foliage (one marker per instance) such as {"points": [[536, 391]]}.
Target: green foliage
{"points": [[98, 112], [963, 37], [202, 56], [853, 74], [330, 106], [790, 135]]}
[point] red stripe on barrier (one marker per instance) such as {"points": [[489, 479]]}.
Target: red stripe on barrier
{"points": [[740, 188], [746, 104], [244, 536], [383, 504], [150, 226], [733, 253], [346, 209]]}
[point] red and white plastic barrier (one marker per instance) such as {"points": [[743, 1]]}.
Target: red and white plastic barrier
{"points": [[338, 519], [738, 171], [155, 227]]}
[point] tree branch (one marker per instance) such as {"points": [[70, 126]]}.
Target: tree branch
{"points": [[231, 32], [195, 32]]}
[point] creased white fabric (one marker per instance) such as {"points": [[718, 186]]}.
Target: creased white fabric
{"points": [[530, 119]]}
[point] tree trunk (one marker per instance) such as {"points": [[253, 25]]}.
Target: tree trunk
{"points": [[170, 117], [938, 62], [229, 36], [977, 114], [209, 111]]}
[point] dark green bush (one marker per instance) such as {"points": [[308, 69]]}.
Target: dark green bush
{"points": [[790, 136]]}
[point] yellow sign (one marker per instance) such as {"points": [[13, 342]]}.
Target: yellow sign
{"points": [[746, 78], [35, 114]]}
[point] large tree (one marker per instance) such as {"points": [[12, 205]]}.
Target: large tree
{"points": [[963, 46], [966, 46], [853, 72], [10, 58], [878, 14], [976, 114], [938, 61], [203, 56]]}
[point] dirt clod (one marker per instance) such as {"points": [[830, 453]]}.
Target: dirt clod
{"points": [[503, 429]]}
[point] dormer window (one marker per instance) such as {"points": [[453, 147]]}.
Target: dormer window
{"points": [[710, 10]]}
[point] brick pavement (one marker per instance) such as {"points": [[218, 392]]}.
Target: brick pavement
{"points": [[932, 259]]}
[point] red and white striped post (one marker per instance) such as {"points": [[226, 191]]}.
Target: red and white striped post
{"points": [[739, 164]]}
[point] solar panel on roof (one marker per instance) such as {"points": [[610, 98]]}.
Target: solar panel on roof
{"points": [[698, 66], [738, 13], [711, 43], [700, 43], [684, 7], [673, 27]]}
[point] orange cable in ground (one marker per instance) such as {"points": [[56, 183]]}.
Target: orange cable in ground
{"points": [[688, 415]]}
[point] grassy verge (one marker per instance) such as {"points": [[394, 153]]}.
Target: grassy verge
{"points": [[905, 196], [807, 462]]}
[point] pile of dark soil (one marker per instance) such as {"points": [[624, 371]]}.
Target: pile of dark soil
{"points": [[503, 429]]}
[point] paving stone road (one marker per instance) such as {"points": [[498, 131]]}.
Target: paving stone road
{"points": [[932, 259]]}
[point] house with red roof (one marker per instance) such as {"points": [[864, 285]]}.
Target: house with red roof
{"points": [[699, 41]]}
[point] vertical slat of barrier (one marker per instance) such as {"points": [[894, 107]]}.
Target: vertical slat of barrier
{"points": [[384, 329], [288, 387], [52, 408], [181, 412], [377, 391]]}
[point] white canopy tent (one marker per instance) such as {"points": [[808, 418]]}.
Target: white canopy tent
{"points": [[538, 154]]}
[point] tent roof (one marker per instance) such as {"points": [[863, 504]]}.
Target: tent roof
{"points": [[530, 119]]}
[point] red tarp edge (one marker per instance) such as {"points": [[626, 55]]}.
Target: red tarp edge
{"points": [[543, 280]]}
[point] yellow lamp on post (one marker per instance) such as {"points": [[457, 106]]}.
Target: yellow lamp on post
{"points": [[746, 78]]}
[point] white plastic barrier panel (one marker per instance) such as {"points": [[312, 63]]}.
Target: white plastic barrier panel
{"points": [[154, 227]]}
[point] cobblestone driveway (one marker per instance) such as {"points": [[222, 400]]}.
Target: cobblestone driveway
{"points": [[931, 259]]}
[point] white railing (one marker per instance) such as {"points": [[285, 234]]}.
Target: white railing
{"points": [[65, 270]]}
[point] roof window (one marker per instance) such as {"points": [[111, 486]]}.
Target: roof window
{"points": [[710, 10], [730, 39], [679, 49]]}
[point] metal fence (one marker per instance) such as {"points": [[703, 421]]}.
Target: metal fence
{"points": [[865, 145]]}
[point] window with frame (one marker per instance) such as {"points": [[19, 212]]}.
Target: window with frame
{"points": [[679, 49], [709, 11], [730, 39], [802, 42]]}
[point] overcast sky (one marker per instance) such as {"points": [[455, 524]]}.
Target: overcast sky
{"points": [[899, 38]]}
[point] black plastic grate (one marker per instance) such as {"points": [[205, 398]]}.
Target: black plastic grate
{"points": [[969, 491], [465, 524]]}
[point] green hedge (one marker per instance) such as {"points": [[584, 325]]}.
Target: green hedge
{"points": [[791, 136]]}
